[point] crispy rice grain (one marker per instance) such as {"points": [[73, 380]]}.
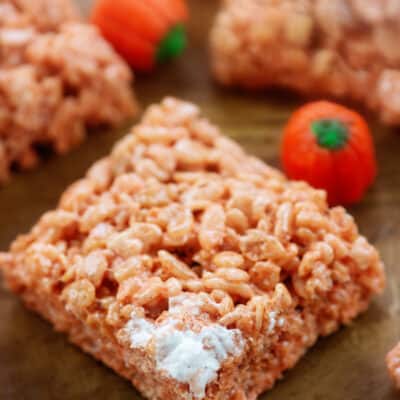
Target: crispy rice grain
{"points": [[58, 78], [317, 47], [193, 284]]}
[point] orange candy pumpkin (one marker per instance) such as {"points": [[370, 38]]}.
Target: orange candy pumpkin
{"points": [[330, 147], [144, 32]]}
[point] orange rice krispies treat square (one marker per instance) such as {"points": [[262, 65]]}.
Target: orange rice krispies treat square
{"points": [[190, 267], [393, 365], [58, 77], [319, 47]]}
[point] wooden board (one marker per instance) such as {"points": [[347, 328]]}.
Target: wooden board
{"points": [[36, 363]]}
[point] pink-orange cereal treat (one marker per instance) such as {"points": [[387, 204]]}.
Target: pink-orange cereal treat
{"points": [[45, 14], [190, 267], [393, 365], [58, 77], [344, 49]]}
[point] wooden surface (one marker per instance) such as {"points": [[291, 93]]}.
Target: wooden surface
{"points": [[36, 363]]}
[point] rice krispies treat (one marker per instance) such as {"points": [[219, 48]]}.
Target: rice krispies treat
{"points": [[190, 267], [393, 365], [345, 49], [45, 15], [56, 81]]}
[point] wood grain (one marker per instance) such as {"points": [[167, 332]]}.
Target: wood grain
{"points": [[36, 363]]}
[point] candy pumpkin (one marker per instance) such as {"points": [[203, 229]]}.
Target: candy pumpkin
{"points": [[145, 33], [330, 147]]}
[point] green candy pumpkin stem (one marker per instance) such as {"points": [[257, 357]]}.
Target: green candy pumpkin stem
{"points": [[172, 45], [331, 134]]}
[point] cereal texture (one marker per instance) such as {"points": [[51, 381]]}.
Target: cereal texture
{"points": [[58, 77], [393, 365], [190, 267], [324, 47]]}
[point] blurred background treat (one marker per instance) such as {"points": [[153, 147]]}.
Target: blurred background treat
{"points": [[146, 34], [343, 49], [58, 78]]}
